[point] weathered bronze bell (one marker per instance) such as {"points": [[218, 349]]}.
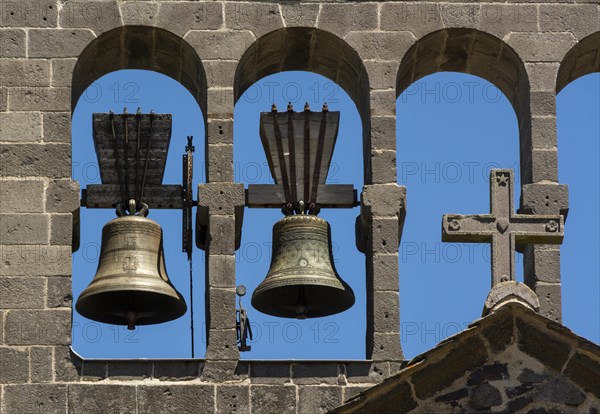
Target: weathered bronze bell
{"points": [[131, 286], [302, 281]]}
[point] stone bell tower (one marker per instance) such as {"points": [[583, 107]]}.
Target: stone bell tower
{"points": [[517, 358]]}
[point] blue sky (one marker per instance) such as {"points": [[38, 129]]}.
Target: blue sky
{"points": [[451, 130]]}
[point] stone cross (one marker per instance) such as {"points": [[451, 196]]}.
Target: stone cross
{"points": [[504, 229]]}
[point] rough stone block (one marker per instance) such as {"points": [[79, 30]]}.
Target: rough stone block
{"points": [[38, 327], [542, 265], [273, 399], [12, 43], [318, 399], [300, 14], [543, 347], [543, 132], [222, 345], [579, 19], [387, 312], [220, 131], [383, 103], [61, 229], [270, 372], [57, 43], [260, 18], [381, 45], [233, 399], [57, 127], [29, 13], [224, 45], [584, 371], [99, 16], [138, 13], [540, 198], [24, 72], [67, 365], [94, 370], [14, 365], [221, 271], [220, 72], [35, 398], [460, 15], [176, 370], [341, 19], [221, 198], [383, 167], [384, 199], [545, 165], [222, 308], [383, 132], [62, 71], [24, 228], [181, 17], [2, 327], [367, 372], [20, 126], [40, 363], [59, 292], [440, 374], [419, 18], [129, 370], [315, 373], [550, 296], [220, 103], [221, 371], [542, 76], [32, 98], [543, 103], [176, 399], [62, 196], [222, 235], [382, 74], [21, 196], [109, 399], [384, 235], [385, 347], [385, 272], [541, 47], [352, 391], [42, 260], [499, 336], [220, 163], [500, 19], [22, 292]]}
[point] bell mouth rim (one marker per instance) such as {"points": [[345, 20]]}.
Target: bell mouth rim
{"points": [[178, 309], [344, 298]]}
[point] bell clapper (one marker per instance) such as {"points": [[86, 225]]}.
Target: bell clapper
{"points": [[131, 316], [301, 305]]}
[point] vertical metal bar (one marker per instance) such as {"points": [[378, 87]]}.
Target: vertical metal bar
{"points": [[116, 157], [137, 157], [125, 116], [147, 157]]}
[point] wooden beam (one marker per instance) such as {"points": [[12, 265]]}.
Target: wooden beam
{"points": [[328, 196], [108, 195]]}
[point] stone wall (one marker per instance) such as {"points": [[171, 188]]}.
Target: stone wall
{"points": [[50, 51]]}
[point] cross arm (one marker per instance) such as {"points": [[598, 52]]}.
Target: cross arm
{"points": [[537, 229], [474, 228]]}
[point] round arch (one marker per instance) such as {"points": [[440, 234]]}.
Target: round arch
{"points": [[581, 60], [477, 53], [312, 50], [140, 47]]}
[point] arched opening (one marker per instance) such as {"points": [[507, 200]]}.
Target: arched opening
{"points": [[101, 85], [301, 66], [462, 110], [578, 129]]}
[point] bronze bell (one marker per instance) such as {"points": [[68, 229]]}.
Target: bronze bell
{"points": [[131, 286], [302, 281]]}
